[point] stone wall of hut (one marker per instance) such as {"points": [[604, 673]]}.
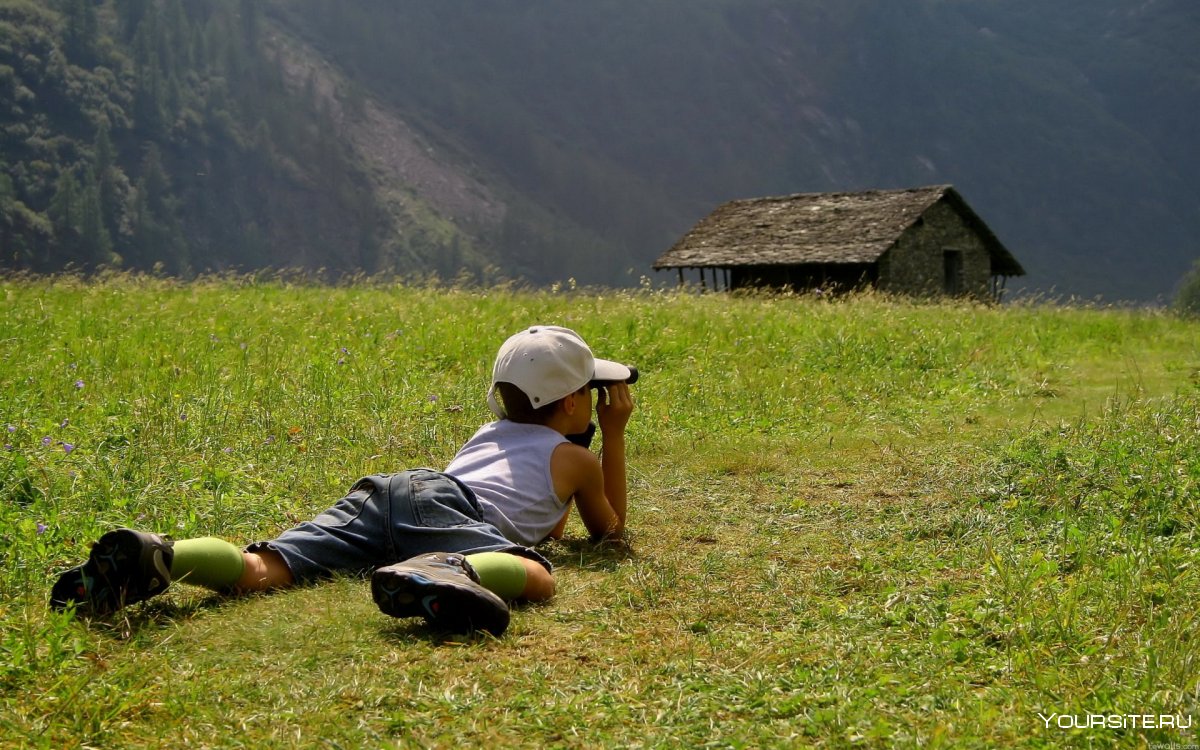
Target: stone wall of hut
{"points": [[917, 264]]}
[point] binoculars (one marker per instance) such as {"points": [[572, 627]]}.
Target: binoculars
{"points": [[585, 438]]}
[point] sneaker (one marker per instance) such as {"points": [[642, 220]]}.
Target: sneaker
{"points": [[444, 589], [124, 567]]}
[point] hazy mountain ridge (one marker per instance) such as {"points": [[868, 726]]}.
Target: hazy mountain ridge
{"points": [[1066, 127], [551, 140]]}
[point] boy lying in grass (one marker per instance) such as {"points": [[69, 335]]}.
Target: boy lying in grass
{"points": [[452, 546]]}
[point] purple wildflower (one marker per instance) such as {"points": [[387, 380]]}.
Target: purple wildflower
{"points": [[41, 528], [46, 440], [183, 416], [67, 448], [12, 428], [64, 423], [433, 398], [78, 384]]}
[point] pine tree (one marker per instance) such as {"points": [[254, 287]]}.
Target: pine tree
{"points": [[129, 16], [64, 211], [95, 244], [179, 36], [157, 234], [80, 31], [251, 12], [12, 256], [106, 171], [148, 95]]}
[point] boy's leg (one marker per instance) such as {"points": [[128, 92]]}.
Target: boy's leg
{"points": [[539, 582], [263, 571], [221, 566], [207, 561], [351, 537], [434, 521], [444, 589], [127, 566], [460, 593], [512, 576]]}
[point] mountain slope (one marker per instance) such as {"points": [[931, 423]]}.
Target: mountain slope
{"points": [[191, 137], [543, 140], [1065, 126]]}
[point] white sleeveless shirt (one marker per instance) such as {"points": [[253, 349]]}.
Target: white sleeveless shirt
{"points": [[507, 465]]}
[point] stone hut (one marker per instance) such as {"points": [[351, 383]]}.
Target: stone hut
{"points": [[922, 241]]}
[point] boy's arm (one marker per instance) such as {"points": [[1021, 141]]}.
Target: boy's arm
{"points": [[614, 407], [577, 473], [599, 486], [557, 531]]}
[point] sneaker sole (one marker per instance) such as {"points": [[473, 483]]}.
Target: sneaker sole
{"points": [[112, 564], [445, 605]]}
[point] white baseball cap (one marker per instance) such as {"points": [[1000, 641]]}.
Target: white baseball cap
{"points": [[548, 363]]}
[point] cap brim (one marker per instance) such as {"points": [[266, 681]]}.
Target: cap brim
{"points": [[611, 371]]}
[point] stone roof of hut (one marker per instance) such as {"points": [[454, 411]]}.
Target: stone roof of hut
{"points": [[819, 228]]}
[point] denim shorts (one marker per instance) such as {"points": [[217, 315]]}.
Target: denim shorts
{"points": [[389, 518]]}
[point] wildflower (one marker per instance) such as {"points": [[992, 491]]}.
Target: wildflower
{"points": [[183, 416], [12, 428], [8, 446], [64, 423], [41, 528], [433, 398], [78, 384], [67, 448], [46, 440]]}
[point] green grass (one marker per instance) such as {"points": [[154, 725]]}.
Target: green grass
{"points": [[866, 522]]}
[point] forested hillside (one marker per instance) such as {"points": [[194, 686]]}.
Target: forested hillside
{"points": [[166, 134], [549, 139]]}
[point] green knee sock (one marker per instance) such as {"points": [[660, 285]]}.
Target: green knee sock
{"points": [[499, 572], [209, 562]]}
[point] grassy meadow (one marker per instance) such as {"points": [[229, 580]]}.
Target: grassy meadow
{"points": [[865, 522]]}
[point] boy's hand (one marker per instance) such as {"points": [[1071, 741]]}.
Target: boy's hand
{"points": [[614, 405]]}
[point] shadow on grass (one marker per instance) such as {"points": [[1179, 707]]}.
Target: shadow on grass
{"points": [[412, 630], [583, 554], [152, 615]]}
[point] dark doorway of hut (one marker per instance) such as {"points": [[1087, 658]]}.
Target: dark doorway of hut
{"points": [[952, 262]]}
